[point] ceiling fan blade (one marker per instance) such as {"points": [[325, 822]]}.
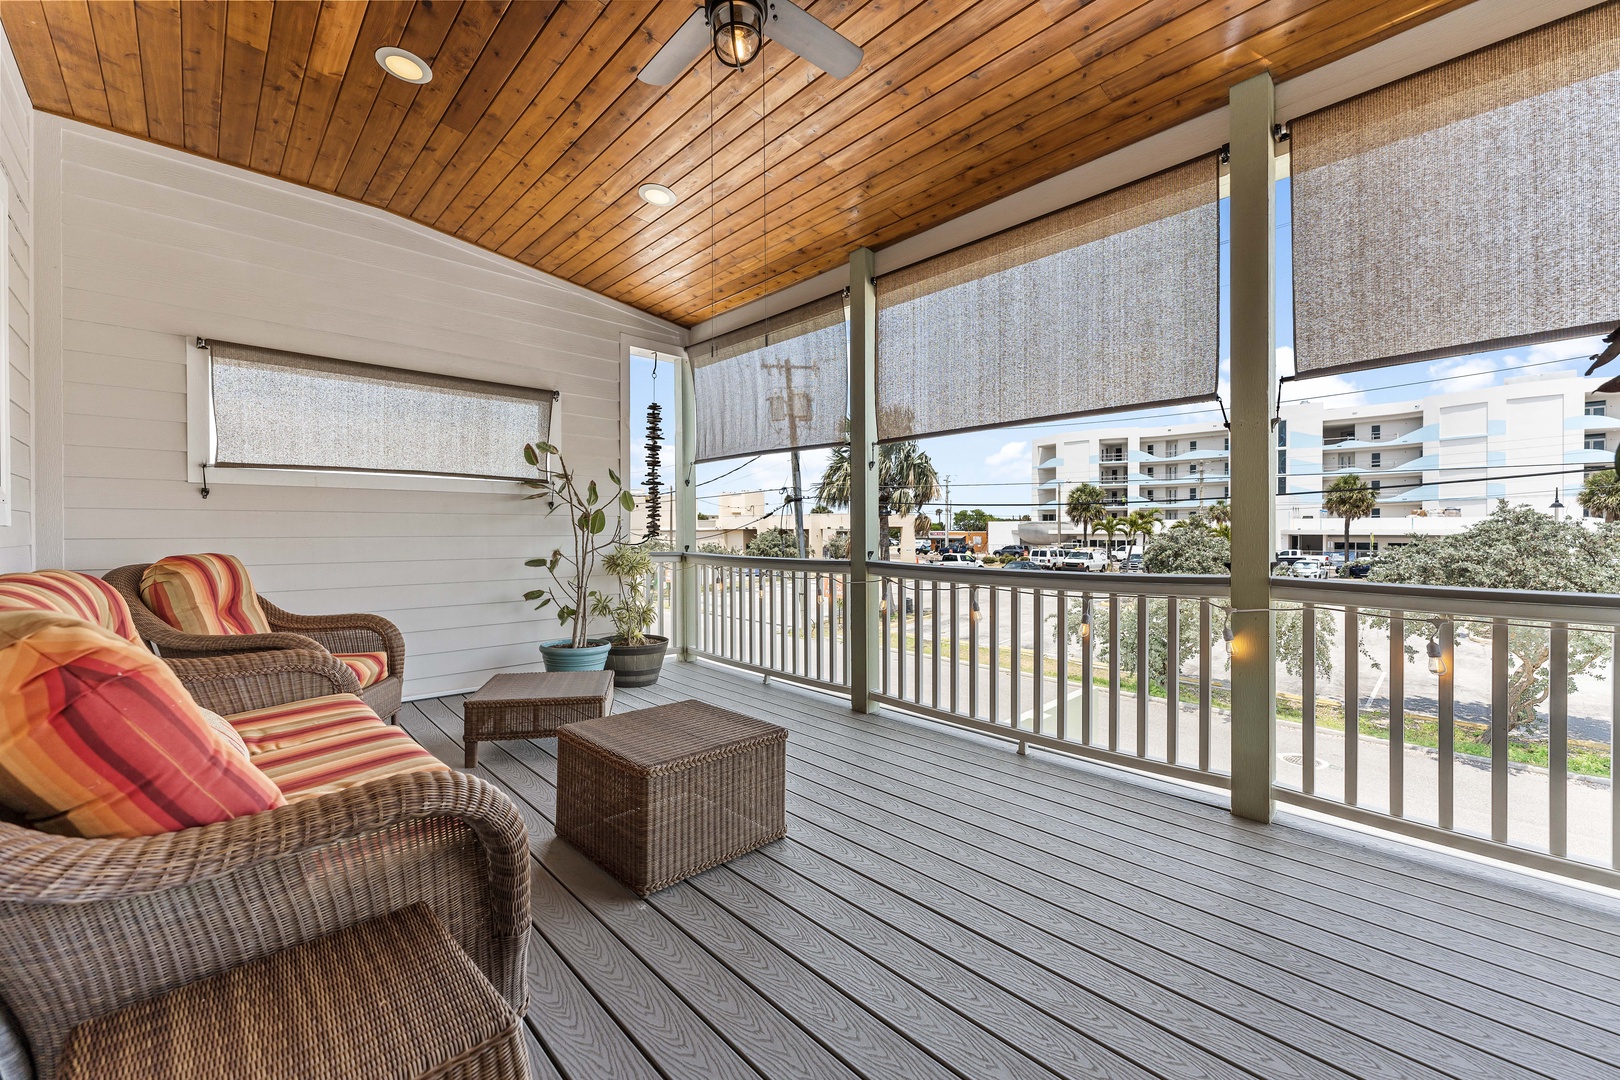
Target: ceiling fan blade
{"points": [[678, 52], [791, 26]]}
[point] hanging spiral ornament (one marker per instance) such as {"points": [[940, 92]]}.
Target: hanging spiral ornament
{"points": [[655, 439]]}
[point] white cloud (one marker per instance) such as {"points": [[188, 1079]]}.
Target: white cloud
{"points": [[1010, 453]]}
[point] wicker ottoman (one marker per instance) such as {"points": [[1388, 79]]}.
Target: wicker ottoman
{"points": [[659, 795], [532, 705]]}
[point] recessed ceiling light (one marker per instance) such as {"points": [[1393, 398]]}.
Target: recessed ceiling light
{"points": [[657, 195], [403, 65]]}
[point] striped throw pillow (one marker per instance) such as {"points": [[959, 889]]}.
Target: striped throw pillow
{"points": [[204, 594], [98, 737], [370, 668], [70, 593]]}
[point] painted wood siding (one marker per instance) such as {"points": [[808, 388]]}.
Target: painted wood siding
{"points": [[17, 161], [157, 247]]}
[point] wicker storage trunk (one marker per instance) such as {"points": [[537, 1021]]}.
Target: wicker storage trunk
{"points": [[532, 705], [658, 795]]}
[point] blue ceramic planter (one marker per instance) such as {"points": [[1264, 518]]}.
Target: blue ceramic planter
{"points": [[559, 655]]}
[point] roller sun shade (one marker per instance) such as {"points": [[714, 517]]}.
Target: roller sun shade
{"points": [[1113, 303], [283, 410], [778, 384], [1470, 207]]}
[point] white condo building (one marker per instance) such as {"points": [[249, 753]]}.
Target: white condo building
{"points": [[1438, 463]]}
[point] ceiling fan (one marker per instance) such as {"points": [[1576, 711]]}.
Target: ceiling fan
{"points": [[737, 29]]}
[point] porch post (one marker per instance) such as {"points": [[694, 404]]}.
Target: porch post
{"points": [[863, 600], [1253, 177], [685, 510]]}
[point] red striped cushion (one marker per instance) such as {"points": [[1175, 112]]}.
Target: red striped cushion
{"points": [[321, 766], [299, 722], [69, 593], [98, 737], [370, 668], [204, 594]]}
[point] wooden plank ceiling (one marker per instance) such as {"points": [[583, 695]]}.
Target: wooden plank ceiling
{"points": [[534, 134]]}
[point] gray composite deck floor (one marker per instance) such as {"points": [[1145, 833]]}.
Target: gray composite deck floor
{"points": [[943, 907]]}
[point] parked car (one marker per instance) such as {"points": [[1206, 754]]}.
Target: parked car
{"points": [[1335, 559], [1017, 551], [1134, 563], [956, 548], [924, 547], [1083, 559], [1312, 567], [960, 558], [1020, 564], [1045, 558], [1360, 568]]}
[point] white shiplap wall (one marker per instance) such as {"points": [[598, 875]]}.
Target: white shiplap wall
{"points": [[156, 247], [17, 162]]}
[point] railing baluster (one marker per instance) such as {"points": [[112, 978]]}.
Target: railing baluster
{"points": [[956, 617], [1144, 674], [1448, 733], [1172, 677], [995, 660], [1499, 730], [1113, 671], [1086, 674], [1614, 746], [886, 613], [1017, 666], [1397, 714], [1205, 677], [1036, 597], [916, 643], [1307, 699], [973, 651], [1558, 741], [733, 610], [933, 638], [1352, 703], [1061, 703]]}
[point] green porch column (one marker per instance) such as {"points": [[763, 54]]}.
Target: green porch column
{"points": [[862, 613], [685, 510], [1252, 216]]}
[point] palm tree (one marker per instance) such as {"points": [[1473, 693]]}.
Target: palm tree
{"points": [[1351, 498], [1600, 495], [1219, 513], [1085, 507], [907, 481], [1144, 523], [1111, 527]]}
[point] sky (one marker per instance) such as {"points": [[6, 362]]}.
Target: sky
{"points": [[991, 470]]}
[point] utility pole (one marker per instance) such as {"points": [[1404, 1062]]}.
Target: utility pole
{"points": [[950, 520], [798, 505], [792, 415]]}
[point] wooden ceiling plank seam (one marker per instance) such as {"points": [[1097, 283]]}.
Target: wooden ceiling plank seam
{"points": [[248, 24], [385, 23], [502, 59], [475, 28], [395, 98], [35, 50], [157, 26], [496, 146], [1210, 95], [292, 37], [526, 220], [118, 44], [1247, 21], [843, 129], [202, 38], [1017, 75], [1020, 134], [74, 36], [678, 160], [337, 32]]}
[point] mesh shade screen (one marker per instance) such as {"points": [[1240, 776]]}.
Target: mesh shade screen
{"points": [[1470, 207], [778, 384], [281, 410], [1110, 304]]}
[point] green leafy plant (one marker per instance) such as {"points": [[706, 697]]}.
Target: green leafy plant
{"points": [[633, 610], [587, 509]]}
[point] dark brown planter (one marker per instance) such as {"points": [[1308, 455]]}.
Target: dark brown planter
{"points": [[637, 665]]}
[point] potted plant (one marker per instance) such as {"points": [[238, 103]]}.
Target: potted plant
{"points": [[570, 589], [635, 656]]}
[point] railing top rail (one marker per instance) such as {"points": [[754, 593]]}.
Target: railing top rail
{"points": [[837, 566], [1517, 604], [1064, 580]]}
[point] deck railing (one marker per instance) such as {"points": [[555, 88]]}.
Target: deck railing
{"points": [[1060, 660]]}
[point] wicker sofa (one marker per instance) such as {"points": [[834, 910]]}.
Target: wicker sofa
{"points": [[327, 634], [94, 931]]}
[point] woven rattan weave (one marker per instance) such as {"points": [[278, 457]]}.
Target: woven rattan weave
{"points": [[533, 705], [658, 795]]}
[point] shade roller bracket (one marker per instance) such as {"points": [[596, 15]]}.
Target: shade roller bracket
{"points": [[1279, 132], [204, 466]]}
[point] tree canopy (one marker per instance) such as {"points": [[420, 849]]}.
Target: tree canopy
{"points": [[970, 521], [907, 481], [1196, 549], [1351, 498], [1600, 495], [773, 544], [1085, 507]]}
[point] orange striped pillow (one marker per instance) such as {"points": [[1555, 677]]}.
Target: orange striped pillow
{"points": [[70, 593], [98, 737], [370, 668], [204, 594]]}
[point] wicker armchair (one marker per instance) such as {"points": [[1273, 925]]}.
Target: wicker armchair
{"points": [[326, 634], [88, 927]]}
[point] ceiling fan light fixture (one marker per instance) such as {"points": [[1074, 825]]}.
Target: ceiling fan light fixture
{"points": [[406, 66], [739, 30], [656, 195]]}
